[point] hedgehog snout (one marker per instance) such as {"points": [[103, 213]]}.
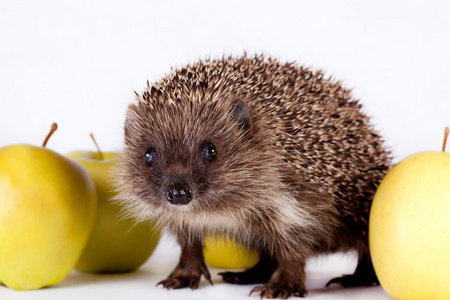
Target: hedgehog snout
{"points": [[179, 194]]}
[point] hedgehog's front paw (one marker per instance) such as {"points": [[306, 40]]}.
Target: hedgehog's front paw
{"points": [[187, 276], [178, 282], [282, 292]]}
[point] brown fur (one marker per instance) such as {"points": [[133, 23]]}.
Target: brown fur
{"points": [[297, 166]]}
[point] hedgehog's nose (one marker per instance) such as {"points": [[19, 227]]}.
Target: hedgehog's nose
{"points": [[179, 194]]}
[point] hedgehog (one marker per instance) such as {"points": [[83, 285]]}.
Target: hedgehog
{"points": [[276, 156]]}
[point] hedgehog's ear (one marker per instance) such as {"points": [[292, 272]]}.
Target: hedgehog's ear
{"points": [[240, 114]]}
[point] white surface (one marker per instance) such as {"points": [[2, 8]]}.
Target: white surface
{"points": [[141, 284], [78, 63]]}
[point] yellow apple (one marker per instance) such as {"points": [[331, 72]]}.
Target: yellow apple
{"points": [[409, 228], [116, 244], [48, 207], [221, 252]]}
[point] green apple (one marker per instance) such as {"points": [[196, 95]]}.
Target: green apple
{"points": [[116, 244], [48, 208], [409, 228], [221, 252]]}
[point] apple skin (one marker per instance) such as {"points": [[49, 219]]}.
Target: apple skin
{"points": [[116, 245], [49, 206], [409, 228], [222, 253]]}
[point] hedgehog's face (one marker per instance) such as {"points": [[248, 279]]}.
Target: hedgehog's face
{"points": [[188, 157]]}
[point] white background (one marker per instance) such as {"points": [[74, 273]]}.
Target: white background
{"points": [[78, 62]]}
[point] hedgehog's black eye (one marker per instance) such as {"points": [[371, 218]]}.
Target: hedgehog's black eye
{"points": [[149, 156], [209, 151]]}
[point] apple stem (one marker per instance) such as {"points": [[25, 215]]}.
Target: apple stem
{"points": [[53, 129], [100, 154], [447, 131]]}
